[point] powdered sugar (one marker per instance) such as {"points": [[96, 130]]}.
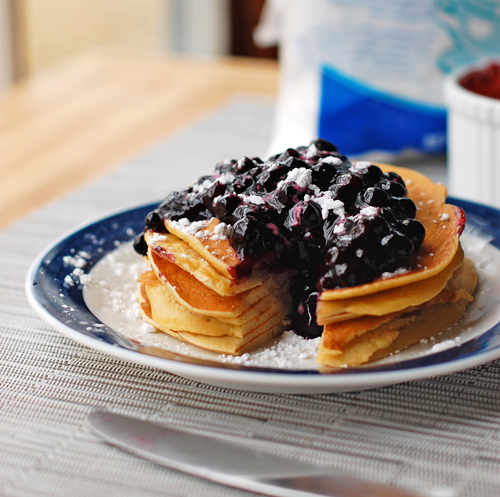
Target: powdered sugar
{"points": [[283, 353], [401, 270], [445, 344], [226, 178], [360, 167], [221, 232], [77, 261], [369, 211], [301, 176], [203, 187], [327, 204], [121, 299], [158, 237], [312, 151], [190, 228], [332, 160], [77, 275], [339, 227], [148, 328], [198, 229], [253, 199]]}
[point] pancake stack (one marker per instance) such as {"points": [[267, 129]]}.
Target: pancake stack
{"points": [[191, 291], [370, 321], [195, 289]]}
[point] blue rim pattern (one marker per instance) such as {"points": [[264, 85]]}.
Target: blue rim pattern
{"points": [[64, 302]]}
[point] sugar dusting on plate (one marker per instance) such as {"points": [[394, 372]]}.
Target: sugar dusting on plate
{"points": [[282, 353]]}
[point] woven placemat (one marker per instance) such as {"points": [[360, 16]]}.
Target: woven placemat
{"points": [[440, 434]]}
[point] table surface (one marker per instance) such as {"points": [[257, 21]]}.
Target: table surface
{"points": [[439, 436], [88, 115]]}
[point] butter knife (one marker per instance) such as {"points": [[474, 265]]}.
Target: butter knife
{"points": [[228, 463]]}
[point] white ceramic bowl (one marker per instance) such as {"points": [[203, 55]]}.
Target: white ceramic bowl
{"points": [[473, 140]]}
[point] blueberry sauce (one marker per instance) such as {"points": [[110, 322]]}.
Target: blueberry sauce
{"points": [[339, 224]]}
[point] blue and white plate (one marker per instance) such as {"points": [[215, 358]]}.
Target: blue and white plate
{"points": [[84, 286]]}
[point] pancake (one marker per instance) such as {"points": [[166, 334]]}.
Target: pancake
{"points": [[191, 260], [233, 346], [209, 243], [356, 341], [197, 297], [168, 314], [255, 326], [388, 301]]}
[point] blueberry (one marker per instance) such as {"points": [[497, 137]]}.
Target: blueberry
{"points": [[325, 145], [289, 152], [225, 166], [244, 165], [323, 174], [140, 245], [403, 207], [249, 233], [154, 221], [396, 244], [311, 216], [242, 228], [372, 175], [304, 311], [414, 230], [215, 190], [389, 216], [288, 195], [175, 205], [269, 178], [347, 188], [393, 188], [225, 207], [243, 210], [304, 216], [375, 197], [394, 177], [191, 206], [243, 184]]}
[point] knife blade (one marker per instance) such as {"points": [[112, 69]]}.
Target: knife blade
{"points": [[230, 464]]}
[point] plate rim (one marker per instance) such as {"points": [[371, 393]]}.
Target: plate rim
{"points": [[250, 376]]}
